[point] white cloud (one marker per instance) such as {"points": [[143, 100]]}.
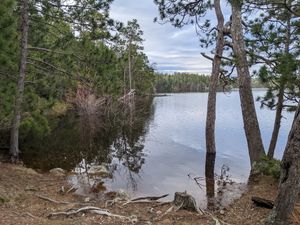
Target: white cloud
{"points": [[172, 49]]}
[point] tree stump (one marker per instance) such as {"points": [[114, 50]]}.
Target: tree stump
{"points": [[182, 200]]}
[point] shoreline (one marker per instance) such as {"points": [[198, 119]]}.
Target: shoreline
{"points": [[20, 204]]}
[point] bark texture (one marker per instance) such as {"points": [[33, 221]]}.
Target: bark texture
{"points": [[211, 108], [252, 131], [211, 104], [210, 179], [279, 107], [14, 140], [277, 123], [289, 186]]}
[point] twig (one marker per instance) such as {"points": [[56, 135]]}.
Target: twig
{"points": [[165, 213], [26, 214], [71, 190], [218, 221]]}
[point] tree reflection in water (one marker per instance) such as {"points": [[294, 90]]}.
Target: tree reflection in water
{"points": [[113, 138], [210, 179]]}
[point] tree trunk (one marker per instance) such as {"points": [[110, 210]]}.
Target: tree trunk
{"points": [[289, 186], [210, 180], [277, 122], [129, 68], [279, 107], [14, 140], [211, 104], [252, 131], [211, 109]]}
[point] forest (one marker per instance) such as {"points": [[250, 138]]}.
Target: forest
{"points": [[86, 137], [188, 82]]}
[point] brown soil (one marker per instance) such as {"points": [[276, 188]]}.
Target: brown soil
{"points": [[19, 204], [243, 211]]}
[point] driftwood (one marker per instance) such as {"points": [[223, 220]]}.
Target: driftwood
{"points": [[151, 198], [146, 199], [91, 209], [263, 202]]}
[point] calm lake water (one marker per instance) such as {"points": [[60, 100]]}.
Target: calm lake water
{"points": [[161, 150]]}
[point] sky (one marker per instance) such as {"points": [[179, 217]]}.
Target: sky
{"points": [[171, 49]]}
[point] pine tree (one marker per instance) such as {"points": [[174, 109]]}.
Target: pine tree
{"points": [[8, 60]]}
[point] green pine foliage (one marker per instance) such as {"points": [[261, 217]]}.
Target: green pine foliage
{"points": [[181, 82], [268, 167], [8, 56], [69, 46]]}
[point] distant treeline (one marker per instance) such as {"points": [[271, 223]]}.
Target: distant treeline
{"points": [[187, 82], [181, 82]]}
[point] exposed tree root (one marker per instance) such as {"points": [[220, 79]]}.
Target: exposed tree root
{"points": [[26, 214], [59, 202], [91, 209]]}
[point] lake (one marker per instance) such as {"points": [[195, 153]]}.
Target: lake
{"points": [[159, 149]]}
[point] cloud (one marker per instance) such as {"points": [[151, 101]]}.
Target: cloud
{"points": [[171, 49]]}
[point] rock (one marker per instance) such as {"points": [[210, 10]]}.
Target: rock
{"points": [[99, 170], [87, 199], [158, 212], [123, 195], [58, 172], [133, 219], [222, 212]]}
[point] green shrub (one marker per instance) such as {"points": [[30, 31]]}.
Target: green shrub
{"points": [[266, 166]]}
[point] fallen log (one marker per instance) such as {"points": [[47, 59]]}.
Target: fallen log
{"points": [[261, 202], [146, 199], [151, 198]]}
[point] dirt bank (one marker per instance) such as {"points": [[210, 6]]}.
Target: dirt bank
{"points": [[23, 194]]}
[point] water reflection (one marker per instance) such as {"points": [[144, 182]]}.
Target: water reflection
{"points": [[77, 141], [151, 148], [210, 179]]}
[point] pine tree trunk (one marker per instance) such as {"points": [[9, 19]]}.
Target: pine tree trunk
{"points": [[289, 186], [279, 107], [211, 104], [211, 109], [14, 140], [277, 123], [252, 131], [129, 68]]}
